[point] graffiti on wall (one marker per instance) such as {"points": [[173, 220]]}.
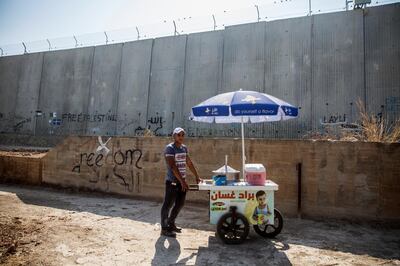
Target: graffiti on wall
{"points": [[94, 118], [392, 104], [19, 125], [339, 121], [120, 166], [154, 124], [334, 119]]}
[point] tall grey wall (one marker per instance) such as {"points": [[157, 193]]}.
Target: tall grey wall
{"points": [[337, 66], [64, 92], [382, 61], [324, 64], [133, 92], [166, 84], [288, 72], [203, 74]]}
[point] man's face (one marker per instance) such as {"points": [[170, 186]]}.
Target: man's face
{"points": [[179, 137], [261, 199]]}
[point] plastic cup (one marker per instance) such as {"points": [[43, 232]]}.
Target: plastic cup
{"points": [[260, 218]]}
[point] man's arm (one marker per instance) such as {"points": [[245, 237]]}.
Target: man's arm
{"points": [[171, 162], [192, 168]]}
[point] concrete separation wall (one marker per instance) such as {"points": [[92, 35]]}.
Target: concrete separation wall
{"points": [[166, 84], [133, 95], [64, 92], [288, 72], [203, 68], [103, 97], [337, 67], [350, 180], [9, 69], [321, 63], [382, 56]]}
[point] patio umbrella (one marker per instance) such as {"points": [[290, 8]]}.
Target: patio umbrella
{"points": [[242, 107]]}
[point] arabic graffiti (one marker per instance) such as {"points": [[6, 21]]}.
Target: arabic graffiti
{"points": [[155, 123], [18, 126]]}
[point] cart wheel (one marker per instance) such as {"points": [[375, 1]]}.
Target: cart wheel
{"points": [[233, 228], [270, 230]]}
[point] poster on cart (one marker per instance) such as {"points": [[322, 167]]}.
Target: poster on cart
{"points": [[257, 206]]}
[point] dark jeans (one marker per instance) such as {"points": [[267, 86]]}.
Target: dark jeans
{"points": [[173, 196]]}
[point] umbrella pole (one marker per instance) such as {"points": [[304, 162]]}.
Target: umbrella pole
{"points": [[243, 156]]}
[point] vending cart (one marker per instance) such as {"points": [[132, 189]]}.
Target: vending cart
{"points": [[237, 205]]}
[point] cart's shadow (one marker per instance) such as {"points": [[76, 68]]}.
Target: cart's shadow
{"points": [[255, 251]]}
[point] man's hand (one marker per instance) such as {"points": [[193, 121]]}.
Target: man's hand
{"points": [[198, 180], [184, 185]]}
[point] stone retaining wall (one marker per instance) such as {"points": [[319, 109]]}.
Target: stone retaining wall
{"points": [[350, 180]]}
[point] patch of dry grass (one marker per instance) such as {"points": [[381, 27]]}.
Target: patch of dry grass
{"points": [[375, 129], [370, 129], [148, 133]]}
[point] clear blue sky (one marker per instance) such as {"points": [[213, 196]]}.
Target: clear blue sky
{"points": [[30, 20]]}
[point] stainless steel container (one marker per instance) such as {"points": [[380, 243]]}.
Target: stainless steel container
{"points": [[231, 174]]}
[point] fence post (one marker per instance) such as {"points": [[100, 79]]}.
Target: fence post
{"points": [[258, 13], [49, 44], [175, 31], [76, 41], [105, 33], [25, 51], [215, 22], [138, 34]]}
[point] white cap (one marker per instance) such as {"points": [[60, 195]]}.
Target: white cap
{"points": [[178, 130]]}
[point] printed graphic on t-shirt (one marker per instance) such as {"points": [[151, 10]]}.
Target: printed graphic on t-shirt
{"points": [[180, 161]]}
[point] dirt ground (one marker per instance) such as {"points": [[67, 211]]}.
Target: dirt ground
{"points": [[42, 226]]}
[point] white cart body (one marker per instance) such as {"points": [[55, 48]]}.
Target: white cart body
{"points": [[243, 196]]}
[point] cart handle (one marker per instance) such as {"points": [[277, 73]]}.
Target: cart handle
{"points": [[193, 187]]}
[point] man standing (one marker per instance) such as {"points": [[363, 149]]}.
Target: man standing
{"points": [[176, 157]]}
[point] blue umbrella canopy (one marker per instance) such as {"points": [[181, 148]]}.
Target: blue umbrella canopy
{"points": [[242, 107]]}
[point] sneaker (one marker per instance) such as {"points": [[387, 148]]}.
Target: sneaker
{"points": [[173, 228], [168, 233]]}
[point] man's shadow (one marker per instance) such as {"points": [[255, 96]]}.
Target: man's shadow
{"points": [[167, 252]]}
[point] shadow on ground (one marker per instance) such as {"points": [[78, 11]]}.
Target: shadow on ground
{"points": [[260, 251]]}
